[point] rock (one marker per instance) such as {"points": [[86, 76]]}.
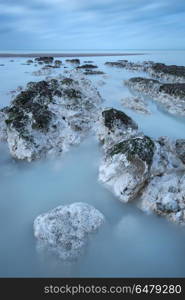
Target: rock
{"points": [[146, 85], [165, 196], [126, 167], [117, 64], [49, 116], [73, 61], [29, 61], [114, 126], [180, 149], [65, 230], [171, 96], [136, 167], [171, 73], [3, 130], [88, 61], [1, 65], [173, 89], [90, 72], [58, 63], [137, 104], [113, 118], [44, 59], [87, 66], [165, 158]]}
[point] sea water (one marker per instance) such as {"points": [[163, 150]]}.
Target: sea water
{"points": [[131, 243]]}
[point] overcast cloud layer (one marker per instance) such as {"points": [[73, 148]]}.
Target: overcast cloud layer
{"points": [[92, 24]]}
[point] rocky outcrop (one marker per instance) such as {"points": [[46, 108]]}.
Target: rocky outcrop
{"points": [[125, 167], [44, 60], [137, 167], [113, 126], [165, 196], [49, 116], [65, 230], [171, 95], [169, 73]]}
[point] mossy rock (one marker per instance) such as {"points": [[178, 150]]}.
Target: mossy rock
{"points": [[72, 93], [173, 89], [112, 115], [139, 147], [67, 81]]}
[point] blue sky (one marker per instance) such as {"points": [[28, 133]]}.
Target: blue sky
{"points": [[92, 24]]}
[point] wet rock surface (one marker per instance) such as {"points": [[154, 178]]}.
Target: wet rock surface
{"points": [[65, 230], [164, 72], [49, 116], [170, 95], [136, 167]]}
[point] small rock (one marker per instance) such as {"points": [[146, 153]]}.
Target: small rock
{"points": [[65, 230]]}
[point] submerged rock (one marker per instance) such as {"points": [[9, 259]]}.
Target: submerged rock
{"points": [[137, 104], [49, 116], [65, 230]]}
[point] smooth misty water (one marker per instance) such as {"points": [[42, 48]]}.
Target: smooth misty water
{"points": [[131, 243]]}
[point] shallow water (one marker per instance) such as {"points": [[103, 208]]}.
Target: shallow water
{"points": [[131, 243]]}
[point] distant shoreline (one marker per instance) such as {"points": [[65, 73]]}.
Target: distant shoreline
{"points": [[65, 54]]}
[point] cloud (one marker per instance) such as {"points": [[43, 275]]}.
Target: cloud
{"points": [[64, 24]]}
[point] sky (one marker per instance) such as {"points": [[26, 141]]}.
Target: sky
{"points": [[92, 24]]}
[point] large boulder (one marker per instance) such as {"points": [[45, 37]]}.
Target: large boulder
{"points": [[125, 168], [49, 116], [114, 125], [65, 230]]}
